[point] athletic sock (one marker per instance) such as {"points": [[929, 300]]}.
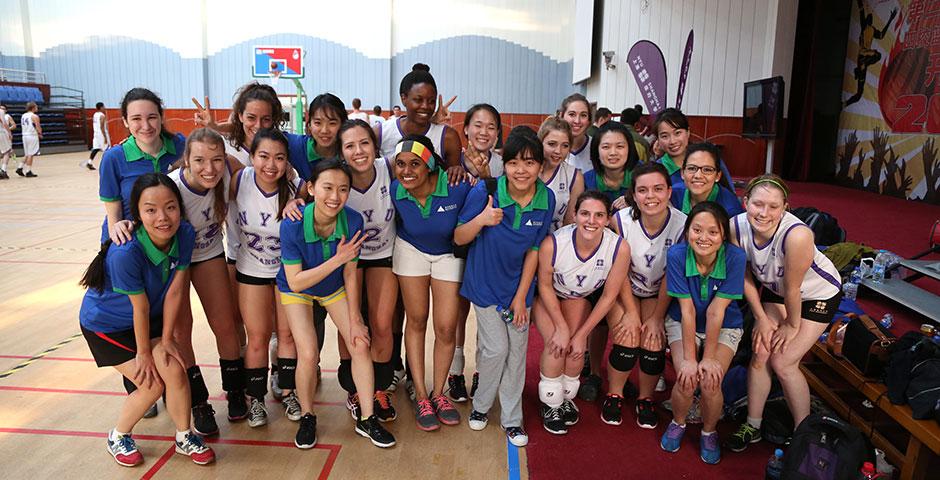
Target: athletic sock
{"points": [[396, 350], [344, 375], [754, 422], [115, 435], [456, 366], [383, 375], [706, 434], [181, 436], [287, 367], [257, 382]]}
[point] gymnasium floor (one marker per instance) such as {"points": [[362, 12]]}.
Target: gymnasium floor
{"points": [[56, 405]]}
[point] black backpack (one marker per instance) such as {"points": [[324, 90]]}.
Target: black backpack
{"points": [[824, 226], [824, 448], [912, 350]]}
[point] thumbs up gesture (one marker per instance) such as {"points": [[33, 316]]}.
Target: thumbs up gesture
{"points": [[491, 216]]}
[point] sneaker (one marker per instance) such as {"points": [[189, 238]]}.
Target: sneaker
{"points": [[661, 384], [611, 412], [306, 432], [30, 174], [237, 405], [276, 391], [195, 448], [590, 388], [89, 166], [711, 452], [4, 175], [19, 171], [695, 412], [477, 421], [382, 404], [410, 388], [397, 378], [646, 414], [124, 450], [446, 413], [257, 414], [373, 430], [425, 417], [474, 384], [745, 436], [457, 388], [292, 407], [517, 436], [352, 404], [204, 420], [553, 420], [570, 413], [672, 438], [151, 412]]}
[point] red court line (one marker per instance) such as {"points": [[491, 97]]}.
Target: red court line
{"points": [[160, 463], [81, 359], [118, 394]]}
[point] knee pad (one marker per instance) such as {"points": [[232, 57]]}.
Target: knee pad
{"points": [[622, 358], [570, 386], [129, 386], [345, 377], [383, 374], [652, 363], [233, 374], [198, 392], [287, 369], [551, 391]]}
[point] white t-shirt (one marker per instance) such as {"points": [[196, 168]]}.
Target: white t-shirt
{"points": [[390, 133], [359, 115], [376, 120], [231, 230], [648, 250], [581, 159], [29, 128], [200, 211], [560, 184]]}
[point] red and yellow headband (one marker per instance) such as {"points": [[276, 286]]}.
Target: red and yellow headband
{"points": [[418, 149]]}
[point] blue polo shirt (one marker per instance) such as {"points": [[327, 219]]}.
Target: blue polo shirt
{"points": [[301, 245], [682, 199], [302, 154], [122, 165], [494, 264], [675, 172], [726, 280], [592, 182], [136, 267], [430, 228]]}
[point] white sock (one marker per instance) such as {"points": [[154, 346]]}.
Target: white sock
{"points": [[115, 435], [19, 165], [754, 422], [680, 426], [181, 436], [456, 366], [27, 169], [706, 434]]}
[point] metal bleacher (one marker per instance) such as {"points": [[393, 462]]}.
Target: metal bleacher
{"points": [[62, 114]]}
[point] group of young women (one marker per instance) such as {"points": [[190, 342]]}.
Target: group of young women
{"points": [[365, 224]]}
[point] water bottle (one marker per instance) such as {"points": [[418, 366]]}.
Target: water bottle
{"points": [[878, 269], [850, 286], [868, 472], [774, 466], [887, 320]]}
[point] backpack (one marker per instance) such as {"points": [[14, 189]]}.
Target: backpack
{"points": [[777, 426], [824, 448], [824, 226], [910, 351]]}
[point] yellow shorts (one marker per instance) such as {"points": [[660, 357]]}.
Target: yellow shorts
{"points": [[291, 298]]}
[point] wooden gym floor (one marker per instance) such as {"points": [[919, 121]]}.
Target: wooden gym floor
{"points": [[56, 405]]}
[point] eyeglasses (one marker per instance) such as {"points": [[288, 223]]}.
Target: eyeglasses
{"points": [[693, 169]]}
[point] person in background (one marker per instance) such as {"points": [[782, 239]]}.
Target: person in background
{"points": [[601, 117], [6, 141], [396, 111], [32, 134], [101, 139], [630, 118], [356, 113], [376, 118]]}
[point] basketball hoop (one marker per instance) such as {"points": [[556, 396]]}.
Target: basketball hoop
{"points": [[275, 75]]}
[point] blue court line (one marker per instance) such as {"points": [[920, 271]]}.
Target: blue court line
{"points": [[512, 454]]}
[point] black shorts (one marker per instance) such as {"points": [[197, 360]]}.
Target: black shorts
{"points": [[115, 348], [249, 280], [595, 297], [221, 255], [820, 311], [375, 263], [230, 261]]}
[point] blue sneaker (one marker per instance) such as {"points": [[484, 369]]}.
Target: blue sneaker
{"points": [[711, 452], [672, 439]]}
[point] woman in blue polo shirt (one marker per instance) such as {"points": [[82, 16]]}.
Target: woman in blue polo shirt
{"points": [[701, 176], [672, 137], [704, 275], [505, 232], [614, 157], [135, 296], [423, 259], [319, 255]]}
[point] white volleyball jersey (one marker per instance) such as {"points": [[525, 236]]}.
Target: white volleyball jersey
{"points": [[576, 277], [259, 230], [200, 211], [231, 229], [648, 250], [581, 159], [821, 281], [390, 133], [378, 213], [27, 121], [96, 124], [496, 165], [560, 184]]}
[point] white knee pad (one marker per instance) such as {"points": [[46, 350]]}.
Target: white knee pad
{"points": [[551, 391], [571, 386]]}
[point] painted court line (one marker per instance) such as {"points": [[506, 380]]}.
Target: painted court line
{"points": [[159, 463], [512, 454], [15, 388], [83, 359], [39, 355]]}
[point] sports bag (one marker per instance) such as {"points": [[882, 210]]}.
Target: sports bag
{"points": [[825, 227], [824, 448]]}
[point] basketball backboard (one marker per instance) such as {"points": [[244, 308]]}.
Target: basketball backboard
{"points": [[283, 62]]}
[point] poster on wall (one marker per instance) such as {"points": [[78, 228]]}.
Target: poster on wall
{"points": [[889, 129]]}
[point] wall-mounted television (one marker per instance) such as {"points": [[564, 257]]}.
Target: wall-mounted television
{"points": [[763, 108]]}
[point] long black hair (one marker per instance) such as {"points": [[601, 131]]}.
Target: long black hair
{"points": [[140, 93], [616, 127], [717, 211], [329, 103], [523, 139], [250, 92], [285, 187]]}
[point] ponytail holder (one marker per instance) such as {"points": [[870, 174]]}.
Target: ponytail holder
{"points": [[786, 192], [418, 149]]}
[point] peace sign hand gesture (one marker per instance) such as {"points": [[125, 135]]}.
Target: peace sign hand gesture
{"points": [[203, 115], [442, 115]]}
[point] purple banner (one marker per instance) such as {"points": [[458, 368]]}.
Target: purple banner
{"points": [[649, 69], [684, 70]]}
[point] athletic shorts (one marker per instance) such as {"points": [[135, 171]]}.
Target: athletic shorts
{"points": [[30, 145], [408, 261], [819, 311], [730, 337], [291, 298], [115, 348], [230, 261], [6, 143], [221, 255], [249, 280], [385, 262]]}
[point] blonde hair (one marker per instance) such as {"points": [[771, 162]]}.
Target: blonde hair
{"points": [[769, 180], [552, 124]]}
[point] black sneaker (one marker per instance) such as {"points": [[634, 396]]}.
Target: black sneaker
{"points": [[611, 412], [3, 175], [204, 420], [745, 436], [306, 432], [30, 174], [646, 414], [457, 390], [151, 412], [237, 405], [89, 166], [19, 171], [374, 431], [474, 384], [570, 413], [382, 404], [590, 388], [553, 420]]}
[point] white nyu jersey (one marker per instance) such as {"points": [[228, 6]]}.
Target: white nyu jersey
{"points": [[259, 249], [560, 185], [581, 159], [390, 134], [768, 261], [200, 211], [231, 229], [576, 277], [648, 251], [378, 213]]}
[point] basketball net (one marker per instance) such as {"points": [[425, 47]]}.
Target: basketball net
{"points": [[275, 77]]}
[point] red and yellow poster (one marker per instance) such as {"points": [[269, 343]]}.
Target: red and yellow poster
{"points": [[889, 130]]}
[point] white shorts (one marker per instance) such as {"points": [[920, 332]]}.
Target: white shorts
{"points": [[408, 261], [99, 142], [30, 145], [6, 143], [730, 337]]}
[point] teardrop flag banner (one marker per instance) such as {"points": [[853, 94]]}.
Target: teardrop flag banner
{"points": [[649, 69], [684, 70]]}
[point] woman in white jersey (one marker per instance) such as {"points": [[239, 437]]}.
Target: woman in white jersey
{"points": [[32, 133], [261, 192], [650, 226], [101, 139], [561, 177], [798, 295], [574, 262], [204, 180], [6, 141], [576, 110]]}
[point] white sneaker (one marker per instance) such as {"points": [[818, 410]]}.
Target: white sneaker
{"points": [[477, 421], [517, 436], [257, 414], [292, 407], [397, 378], [661, 384]]}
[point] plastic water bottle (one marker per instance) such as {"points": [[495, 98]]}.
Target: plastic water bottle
{"points": [[878, 269], [774, 466], [887, 321], [850, 286]]}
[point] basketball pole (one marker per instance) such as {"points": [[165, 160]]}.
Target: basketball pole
{"points": [[769, 166], [299, 101]]}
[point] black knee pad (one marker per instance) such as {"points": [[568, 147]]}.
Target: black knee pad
{"points": [[652, 363], [345, 377], [129, 385], [383, 374], [198, 392], [233, 374], [287, 369], [622, 358], [256, 380]]}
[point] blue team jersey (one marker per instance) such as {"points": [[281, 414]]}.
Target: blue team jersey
{"points": [[592, 182], [682, 199], [137, 267], [726, 280], [675, 172], [302, 154], [430, 227]]}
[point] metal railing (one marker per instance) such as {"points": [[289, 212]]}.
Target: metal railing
{"points": [[72, 104], [21, 76]]}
